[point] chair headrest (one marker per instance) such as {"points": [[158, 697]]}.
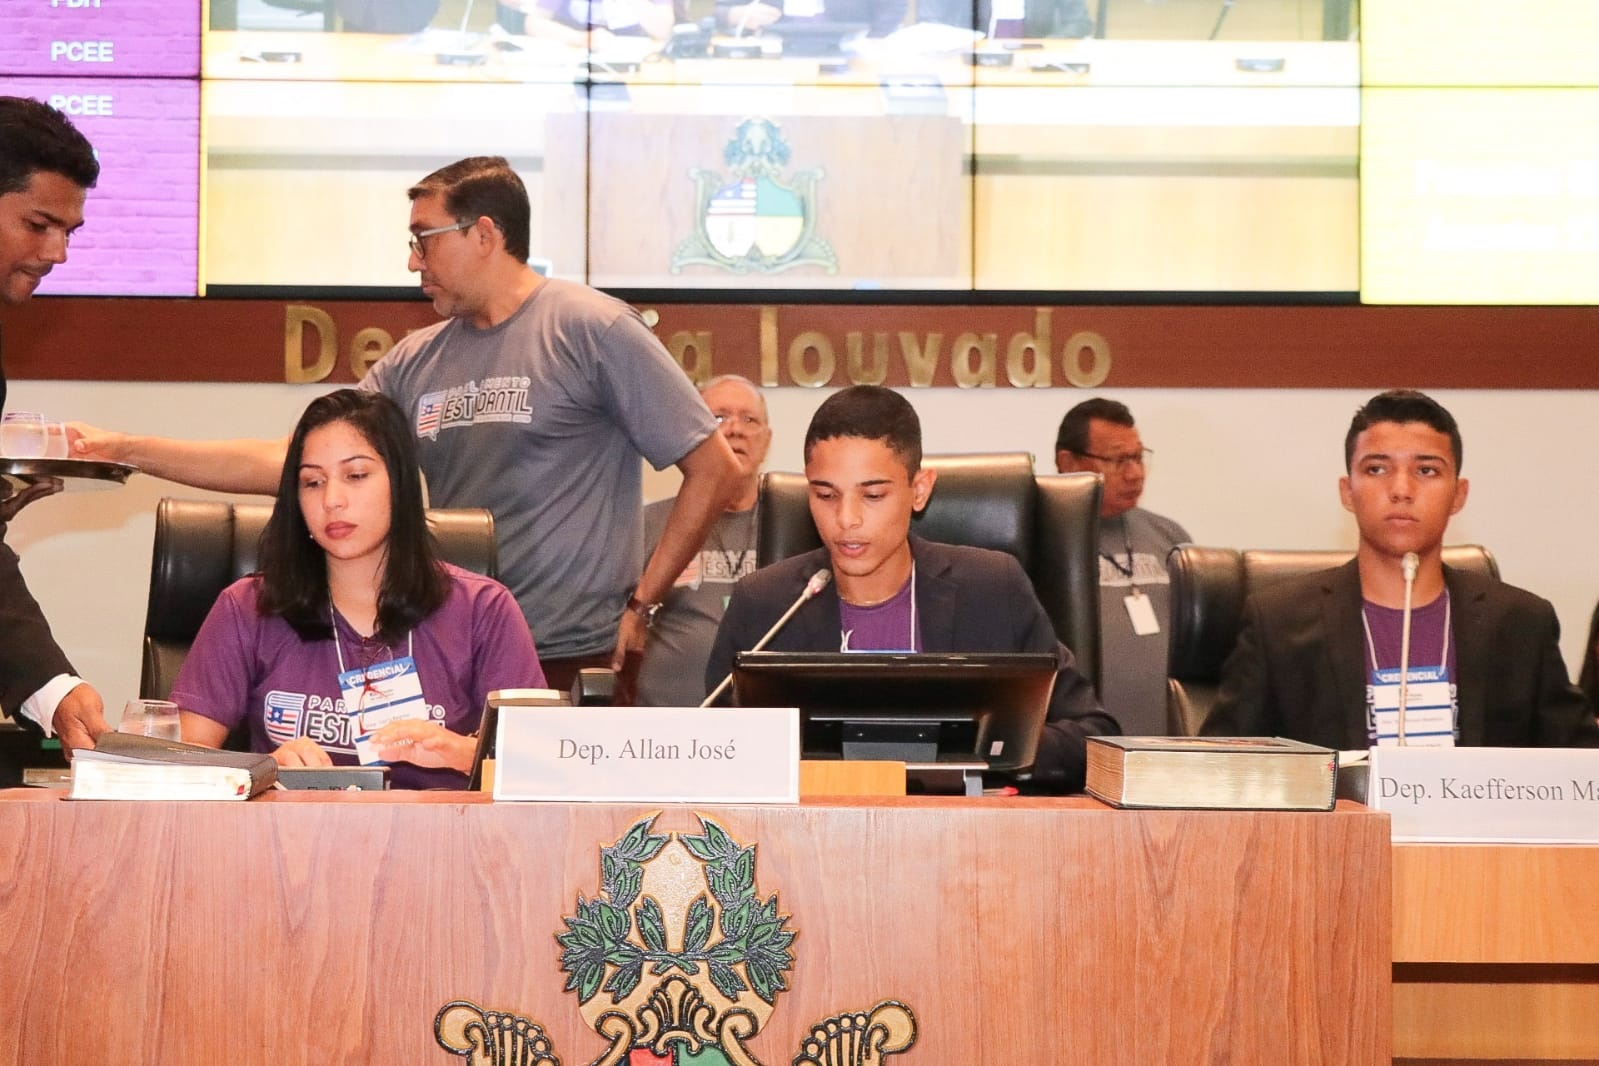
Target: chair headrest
{"points": [[203, 546], [1211, 585], [986, 501]]}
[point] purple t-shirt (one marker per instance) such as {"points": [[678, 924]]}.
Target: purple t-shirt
{"points": [[1426, 635], [1427, 628], [887, 626], [246, 665]]}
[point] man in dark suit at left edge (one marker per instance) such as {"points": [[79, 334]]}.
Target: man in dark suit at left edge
{"points": [[46, 169]]}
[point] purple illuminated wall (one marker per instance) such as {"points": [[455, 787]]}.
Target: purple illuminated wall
{"points": [[126, 72], [101, 38]]}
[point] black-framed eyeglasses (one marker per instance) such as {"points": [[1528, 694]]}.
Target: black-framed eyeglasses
{"points": [[420, 251], [1119, 463]]}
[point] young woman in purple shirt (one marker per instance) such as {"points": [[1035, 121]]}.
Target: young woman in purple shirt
{"points": [[354, 643]]}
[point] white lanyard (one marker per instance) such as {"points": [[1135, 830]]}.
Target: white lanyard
{"points": [[338, 649], [913, 605], [844, 636]]}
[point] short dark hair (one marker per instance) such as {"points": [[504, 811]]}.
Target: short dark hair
{"points": [[294, 571], [1073, 434], [870, 412], [1403, 405], [483, 185], [35, 137]]}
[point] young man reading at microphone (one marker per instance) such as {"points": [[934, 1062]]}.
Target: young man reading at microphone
{"points": [[892, 591], [1318, 658]]}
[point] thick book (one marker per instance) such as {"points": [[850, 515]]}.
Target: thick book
{"points": [[1212, 773], [125, 766]]}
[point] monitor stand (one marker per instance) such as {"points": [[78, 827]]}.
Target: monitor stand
{"points": [[916, 745], [947, 778]]}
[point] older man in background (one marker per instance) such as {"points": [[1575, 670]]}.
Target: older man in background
{"points": [[682, 628]]}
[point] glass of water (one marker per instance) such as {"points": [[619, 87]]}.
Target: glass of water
{"points": [[152, 718], [22, 435]]}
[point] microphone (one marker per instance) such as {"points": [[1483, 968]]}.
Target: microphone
{"points": [[817, 583], [1407, 566]]}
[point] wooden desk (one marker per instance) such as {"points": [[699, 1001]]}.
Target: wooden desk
{"points": [[1496, 952], [322, 929]]}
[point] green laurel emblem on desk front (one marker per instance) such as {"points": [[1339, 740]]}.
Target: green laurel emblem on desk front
{"points": [[754, 220], [677, 961]]}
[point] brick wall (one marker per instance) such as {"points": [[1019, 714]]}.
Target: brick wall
{"points": [[101, 38], [126, 72]]}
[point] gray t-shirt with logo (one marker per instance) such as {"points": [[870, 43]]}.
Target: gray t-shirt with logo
{"points": [[1133, 685], [673, 671], [542, 419]]}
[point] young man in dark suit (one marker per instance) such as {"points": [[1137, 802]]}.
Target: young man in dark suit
{"points": [[46, 169], [892, 591], [1317, 659]]}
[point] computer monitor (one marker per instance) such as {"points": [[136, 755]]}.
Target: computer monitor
{"points": [[818, 40], [919, 708]]}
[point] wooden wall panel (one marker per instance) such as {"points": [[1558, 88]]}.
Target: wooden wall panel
{"points": [[332, 929], [330, 342], [1496, 952]]}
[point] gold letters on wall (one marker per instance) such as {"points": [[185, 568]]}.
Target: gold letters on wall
{"points": [[814, 358], [311, 329], [831, 344], [807, 357]]}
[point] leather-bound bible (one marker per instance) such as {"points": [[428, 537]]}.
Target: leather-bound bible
{"points": [[127, 766], [1218, 773]]}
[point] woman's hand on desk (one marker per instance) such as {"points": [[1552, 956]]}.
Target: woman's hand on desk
{"points": [[301, 751], [424, 744]]}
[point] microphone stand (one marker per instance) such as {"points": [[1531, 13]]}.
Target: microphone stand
{"points": [[1408, 567], [817, 583], [1221, 16]]}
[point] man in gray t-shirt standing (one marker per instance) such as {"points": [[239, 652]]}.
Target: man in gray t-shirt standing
{"points": [[1134, 592], [682, 631], [535, 398]]}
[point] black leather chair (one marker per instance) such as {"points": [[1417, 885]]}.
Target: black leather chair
{"points": [[1208, 589], [203, 546], [1049, 522]]}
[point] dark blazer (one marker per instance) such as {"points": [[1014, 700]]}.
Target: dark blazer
{"points": [[29, 656], [1299, 669], [967, 600]]}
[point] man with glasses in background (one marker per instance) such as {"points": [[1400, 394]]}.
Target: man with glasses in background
{"points": [[684, 627], [1098, 435], [535, 398]]}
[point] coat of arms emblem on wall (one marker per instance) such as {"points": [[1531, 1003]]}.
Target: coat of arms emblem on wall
{"points": [[750, 221]]}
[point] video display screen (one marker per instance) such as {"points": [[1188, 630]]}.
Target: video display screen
{"points": [[1067, 145], [1014, 146]]}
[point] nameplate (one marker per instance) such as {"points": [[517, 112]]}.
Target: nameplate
{"points": [[648, 754], [1488, 795]]}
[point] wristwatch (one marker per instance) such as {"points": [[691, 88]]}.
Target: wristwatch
{"points": [[646, 611]]}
